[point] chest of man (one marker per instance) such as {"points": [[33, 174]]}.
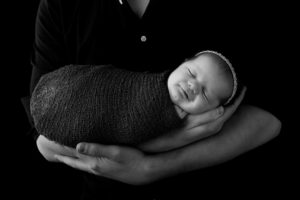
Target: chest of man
{"points": [[153, 35]]}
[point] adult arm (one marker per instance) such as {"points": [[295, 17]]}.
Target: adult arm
{"points": [[247, 129]]}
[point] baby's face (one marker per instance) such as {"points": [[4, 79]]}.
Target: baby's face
{"points": [[199, 85]]}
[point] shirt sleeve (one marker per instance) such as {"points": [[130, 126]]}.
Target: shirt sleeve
{"points": [[48, 48]]}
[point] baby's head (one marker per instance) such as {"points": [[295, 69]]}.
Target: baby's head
{"points": [[202, 83]]}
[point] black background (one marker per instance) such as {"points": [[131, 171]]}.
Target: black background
{"points": [[267, 171], [25, 173]]}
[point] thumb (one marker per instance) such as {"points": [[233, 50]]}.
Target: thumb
{"points": [[98, 150]]}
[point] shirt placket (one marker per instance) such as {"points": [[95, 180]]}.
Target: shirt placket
{"points": [[141, 33]]}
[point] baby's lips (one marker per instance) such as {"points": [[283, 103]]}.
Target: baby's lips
{"points": [[183, 92], [191, 93], [186, 92]]}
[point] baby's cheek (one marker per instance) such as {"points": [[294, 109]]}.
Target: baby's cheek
{"points": [[175, 99], [197, 106]]}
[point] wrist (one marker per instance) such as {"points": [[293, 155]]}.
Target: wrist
{"points": [[163, 165], [150, 170]]}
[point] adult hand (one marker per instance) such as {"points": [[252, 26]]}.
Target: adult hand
{"points": [[124, 164], [196, 127], [49, 148], [115, 162]]}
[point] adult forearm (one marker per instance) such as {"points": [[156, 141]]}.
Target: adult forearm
{"points": [[248, 128]]}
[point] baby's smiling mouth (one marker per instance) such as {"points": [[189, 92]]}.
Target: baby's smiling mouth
{"points": [[185, 94]]}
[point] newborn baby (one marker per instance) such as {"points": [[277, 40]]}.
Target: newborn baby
{"points": [[103, 104]]}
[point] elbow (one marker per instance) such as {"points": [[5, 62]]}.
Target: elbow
{"points": [[266, 125], [272, 126], [276, 125]]}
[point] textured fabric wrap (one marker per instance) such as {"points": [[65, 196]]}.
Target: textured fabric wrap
{"points": [[102, 104]]}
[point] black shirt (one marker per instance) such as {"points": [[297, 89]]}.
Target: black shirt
{"points": [[108, 32]]}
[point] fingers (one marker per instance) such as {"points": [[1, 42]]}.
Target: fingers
{"points": [[215, 114], [214, 120], [88, 164], [72, 162], [98, 150], [240, 97], [207, 117], [232, 108]]}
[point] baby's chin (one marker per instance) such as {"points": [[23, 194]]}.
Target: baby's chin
{"points": [[194, 111]]}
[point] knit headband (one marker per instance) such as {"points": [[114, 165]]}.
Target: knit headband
{"points": [[235, 82]]}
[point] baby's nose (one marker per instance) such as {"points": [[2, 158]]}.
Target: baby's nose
{"points": [[193, 87]]}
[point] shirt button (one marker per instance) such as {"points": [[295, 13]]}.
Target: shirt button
{"points": [[143, 38]]}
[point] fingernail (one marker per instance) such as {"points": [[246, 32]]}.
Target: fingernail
{"points": [[80, 148]]}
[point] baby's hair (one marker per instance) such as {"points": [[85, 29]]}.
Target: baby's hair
{"points": [[222, 60]]}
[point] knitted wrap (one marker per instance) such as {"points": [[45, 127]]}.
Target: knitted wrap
{"points": [[102, 104]]}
